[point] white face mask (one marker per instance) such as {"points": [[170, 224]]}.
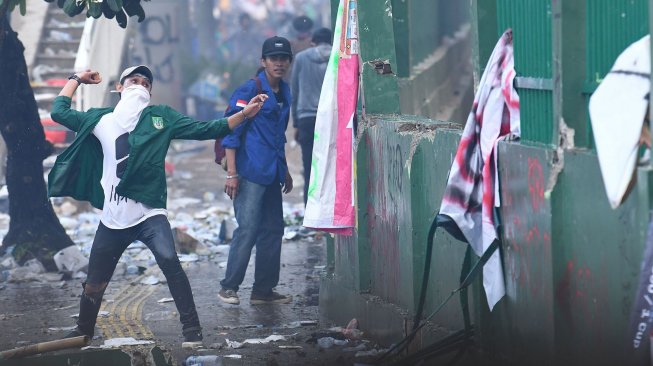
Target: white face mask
{"points": [[133, 100]]}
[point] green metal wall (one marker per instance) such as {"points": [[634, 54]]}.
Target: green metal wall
{"points": [[421, 25], [570, 262], [596, 263], [531, 25], [611, 27]]}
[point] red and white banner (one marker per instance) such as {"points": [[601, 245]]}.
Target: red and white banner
{"points": [[330, 205]]}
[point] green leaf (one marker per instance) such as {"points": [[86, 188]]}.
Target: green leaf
{"points": [[71, 8], [106, 10], [115, 5], [134, 8], [23, 7], [94, 10], [121, 18], [60, 3]]}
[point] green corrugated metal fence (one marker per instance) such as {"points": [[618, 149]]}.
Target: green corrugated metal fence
{"points": [[531, 25], [611, 27]]}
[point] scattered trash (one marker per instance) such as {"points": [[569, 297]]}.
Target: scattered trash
{"points": [[373, 352], [233, 344], [8, 263], [150, 280], [166, 299], [299, 323], [57, 329], [184, 243], [247, 326], [70, 260], [290, 234], [328, 342], [351, 331], [101, 314], [234, 356], [189, 258], [119, 342], [268, 339], [207, 360]]}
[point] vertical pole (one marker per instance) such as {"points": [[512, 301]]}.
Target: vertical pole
{"points": [[401, 22], [569, 44]]}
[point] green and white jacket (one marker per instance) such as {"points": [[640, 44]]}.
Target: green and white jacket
{"points": [[78, 169]]}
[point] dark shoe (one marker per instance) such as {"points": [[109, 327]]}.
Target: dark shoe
{"points": [[78, 333], [192, 338], [271, 298], [229, 296]]}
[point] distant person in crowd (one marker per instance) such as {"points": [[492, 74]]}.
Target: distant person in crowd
{"points": [[302, 26], [307, 76], [241, 43], [257, 173], [117, 163]]}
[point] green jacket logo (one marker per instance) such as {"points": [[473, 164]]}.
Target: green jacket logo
{"points": [[157, 122]]}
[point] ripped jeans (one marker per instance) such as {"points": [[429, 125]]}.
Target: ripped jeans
{"points": [[108, 246]]}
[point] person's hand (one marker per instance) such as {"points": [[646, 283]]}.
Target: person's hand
{"points": [[287, 186], [254, 105], [90, 77], [231, 186]]}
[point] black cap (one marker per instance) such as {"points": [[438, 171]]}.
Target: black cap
{"points": [[322, 35], [276, 46], [302, 23], [140, 69]]}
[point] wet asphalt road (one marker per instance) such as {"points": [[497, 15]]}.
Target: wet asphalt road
{"points": [[34, 312]]}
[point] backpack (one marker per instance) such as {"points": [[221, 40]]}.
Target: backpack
{"points": [[218, 149]]}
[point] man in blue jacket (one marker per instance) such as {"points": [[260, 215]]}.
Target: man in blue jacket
{"points": [[117, 163], [256, 174]]}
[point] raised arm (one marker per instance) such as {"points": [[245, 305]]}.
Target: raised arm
{"points": [[61, 111], [250, 110], [84, 77]]}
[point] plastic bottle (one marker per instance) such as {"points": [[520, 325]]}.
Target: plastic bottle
{"points": [[208, 360]]}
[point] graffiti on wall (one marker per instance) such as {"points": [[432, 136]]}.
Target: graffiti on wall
{"points": [[156, 44]]}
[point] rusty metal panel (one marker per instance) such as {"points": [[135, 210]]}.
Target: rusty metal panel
{"points": [[531, 25]]}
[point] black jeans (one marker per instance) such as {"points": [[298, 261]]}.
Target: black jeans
{"points": [[305, 138], [108, 246]]}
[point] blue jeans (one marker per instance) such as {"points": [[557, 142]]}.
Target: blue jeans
{"points": [[108, 246], [260, 222]]}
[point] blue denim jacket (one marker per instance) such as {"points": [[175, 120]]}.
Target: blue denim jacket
{"points": [[260, 155]]}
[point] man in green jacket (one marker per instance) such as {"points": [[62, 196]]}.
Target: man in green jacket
{"points": [[117, 163]]}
